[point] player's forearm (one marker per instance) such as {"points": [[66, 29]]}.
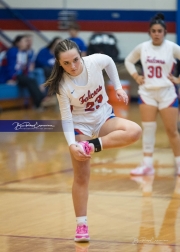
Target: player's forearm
{"points": [[113, 75], [68, 129], [130, 66]]}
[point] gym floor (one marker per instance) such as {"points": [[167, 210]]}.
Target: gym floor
{"points": [[124, 213]]}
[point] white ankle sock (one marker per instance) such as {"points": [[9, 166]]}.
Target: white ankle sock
{"points": [[81, 219], [177, 160], [148, 161]]}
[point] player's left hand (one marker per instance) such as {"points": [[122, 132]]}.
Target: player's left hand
{"points": [[122, 96], [174, 79]]}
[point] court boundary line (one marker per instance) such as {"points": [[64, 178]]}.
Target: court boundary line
{"points": [[71, 239], [91, 193], [36, 177], [65, 171]]}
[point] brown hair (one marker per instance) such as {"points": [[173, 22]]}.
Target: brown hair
{"points": [[57, 72]]}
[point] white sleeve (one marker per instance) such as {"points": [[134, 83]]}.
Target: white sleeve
{"points": [[176, 51], [66, 117], [105, 62], [132, 58]]}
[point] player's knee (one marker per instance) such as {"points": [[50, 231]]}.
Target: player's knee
{"points": [[82, 178], [135, 132], [138, 131], [172, 132]]}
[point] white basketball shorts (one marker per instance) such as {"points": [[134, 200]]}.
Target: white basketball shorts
{"points": [[161, 98], [92, 129]]}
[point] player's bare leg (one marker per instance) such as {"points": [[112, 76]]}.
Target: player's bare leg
{"points": [[80, 194], [119, 132], [170, 118]]}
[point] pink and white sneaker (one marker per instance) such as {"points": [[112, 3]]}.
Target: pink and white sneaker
{"points": [[82, 234], [142, 170], [87, 147]]}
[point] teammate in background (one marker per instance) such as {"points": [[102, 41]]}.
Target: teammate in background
{"points": [[45, 57], [157, 91], [30, 51], [15, 70], [88, 121], [74, 31]]}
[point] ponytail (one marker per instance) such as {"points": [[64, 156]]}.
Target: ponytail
{"points": [[53, 81]]}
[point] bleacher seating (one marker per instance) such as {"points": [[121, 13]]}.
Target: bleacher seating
{"points": [[12, 96]]}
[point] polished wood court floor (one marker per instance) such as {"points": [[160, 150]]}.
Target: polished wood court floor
{"points": [[125, 214]]}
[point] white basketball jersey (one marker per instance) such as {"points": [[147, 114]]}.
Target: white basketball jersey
{"points": [[89, 98], [158, 62]]}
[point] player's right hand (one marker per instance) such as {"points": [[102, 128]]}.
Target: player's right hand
{"points": [[140, 79], [78, 153]]}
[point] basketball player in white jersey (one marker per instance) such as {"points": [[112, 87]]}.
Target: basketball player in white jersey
{"points": [[87, 117], [157, 91]]}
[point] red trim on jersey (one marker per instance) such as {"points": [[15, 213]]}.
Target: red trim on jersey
{"points": [[71, 108], [78, 131], [142, 100], [173, 102], [113, 116]]}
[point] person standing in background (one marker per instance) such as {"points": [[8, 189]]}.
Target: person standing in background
{"points": [[45, 57], [14, 69], [74, 31], [30, 51], [157, 92]]}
